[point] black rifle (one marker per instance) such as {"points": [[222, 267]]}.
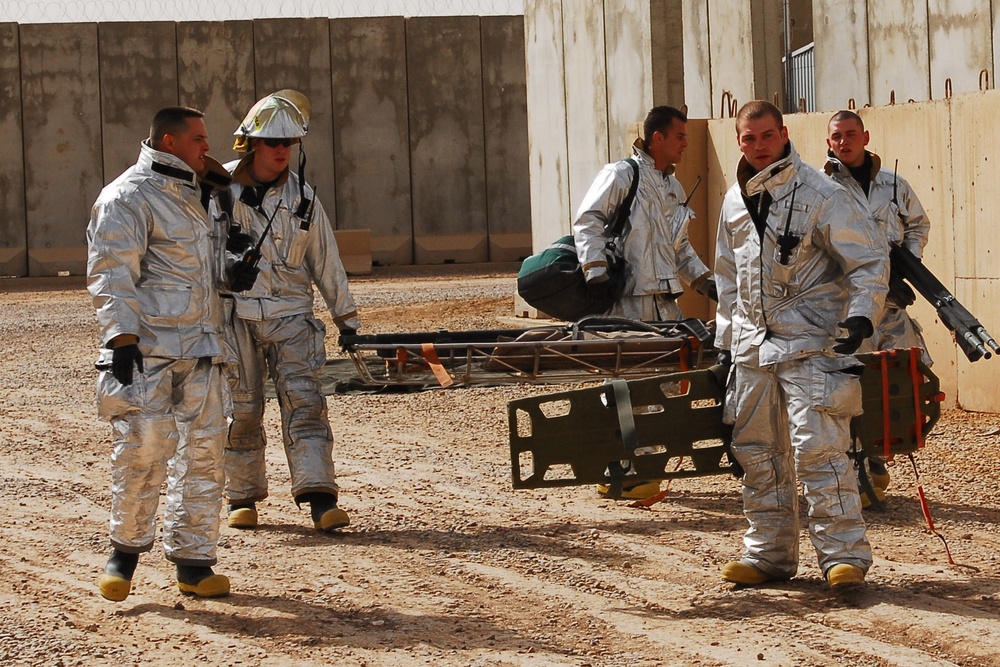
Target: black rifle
{"points": [[252, 256], [970, 334]]}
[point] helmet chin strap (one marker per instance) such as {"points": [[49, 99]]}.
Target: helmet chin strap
{"points": [[305, 209]]}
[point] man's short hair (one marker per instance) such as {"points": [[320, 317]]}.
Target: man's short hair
{"points": [[659, 119], [846, 115], [756, 109], [171, 120]]}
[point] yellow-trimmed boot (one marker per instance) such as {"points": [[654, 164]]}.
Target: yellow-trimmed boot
{"points": [[843, 576], [116, 582], [201, 581], [866, 501], [242, 516], [744, 574], [878, 473], [633, 490], [326, 516]]}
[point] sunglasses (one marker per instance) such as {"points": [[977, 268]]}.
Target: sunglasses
{"points": [[274, 143]]}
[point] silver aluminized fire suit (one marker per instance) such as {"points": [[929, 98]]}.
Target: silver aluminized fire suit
{"points": [[277, 334], [657, 250], [790, 398], [154, 270], [905, 223]]}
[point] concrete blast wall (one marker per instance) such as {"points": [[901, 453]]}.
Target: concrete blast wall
{"points": [[417, 133]]}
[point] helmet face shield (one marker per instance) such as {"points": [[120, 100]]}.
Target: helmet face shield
{"points": [[280, 115]]}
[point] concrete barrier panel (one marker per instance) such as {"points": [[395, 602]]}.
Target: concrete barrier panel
{"points": [[666, 26], [841, 38], [548, 154], [295, 53], [731, 53], [508, 207], [927, 165], [447, 156], [13, 227], [60, 94], [702, 229], [371, 134], [586, 98], [961, 45], [128, 103], [630, 84], [215, 73], [974, 147], [697, 62], [897, 51]]}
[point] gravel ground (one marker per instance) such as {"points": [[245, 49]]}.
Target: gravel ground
{"points": [[444, 563]]}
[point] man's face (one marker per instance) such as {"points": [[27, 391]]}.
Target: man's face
{"points": [[761, 141], [847, 140], [667, 147], [270, 158], [190, 145]]}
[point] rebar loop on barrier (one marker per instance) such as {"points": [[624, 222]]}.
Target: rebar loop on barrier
{"points": [[984, 75], [851, 104], [947, 89], [728, 96], [892, 97], [802, 105]]}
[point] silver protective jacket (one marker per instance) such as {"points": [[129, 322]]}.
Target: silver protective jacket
{"points": [[894, 206], [154, 262], [657, 249], [293, 256], [903, 220], [771, 311]]}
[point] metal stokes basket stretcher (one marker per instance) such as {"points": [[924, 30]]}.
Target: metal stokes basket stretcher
{"points": [[639, 429], [591, 349]]}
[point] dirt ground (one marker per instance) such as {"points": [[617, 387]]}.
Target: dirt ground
{"points": [[445, 564]]}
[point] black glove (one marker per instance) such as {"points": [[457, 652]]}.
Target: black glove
{"points": [[122, 361], [346, 331], [709, 289], [900, 293], [242, 276], [722, 368], [858, 328], [238, 241], [601, 288]]}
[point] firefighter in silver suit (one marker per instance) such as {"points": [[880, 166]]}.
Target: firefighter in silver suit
{"points": [[894, 205], [154, 270], [276, 331], [890, 199], [798, 261], [657, 251]]}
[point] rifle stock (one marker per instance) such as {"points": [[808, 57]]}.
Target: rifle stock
{"points": [[970, 334]]}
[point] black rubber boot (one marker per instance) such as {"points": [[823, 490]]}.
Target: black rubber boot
{"points": [[116, 582], [200, 580], [326, 515], [242, 515]]}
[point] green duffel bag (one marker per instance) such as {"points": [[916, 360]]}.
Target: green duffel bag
{"points": [[553, 282]]}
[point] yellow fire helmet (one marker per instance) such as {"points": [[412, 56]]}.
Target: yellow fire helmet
{"points": [[280, 115]]}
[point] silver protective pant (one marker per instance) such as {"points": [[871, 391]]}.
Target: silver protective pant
{"points": [[647, 308], [792, 420], [169, 424], [291, 351]]}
